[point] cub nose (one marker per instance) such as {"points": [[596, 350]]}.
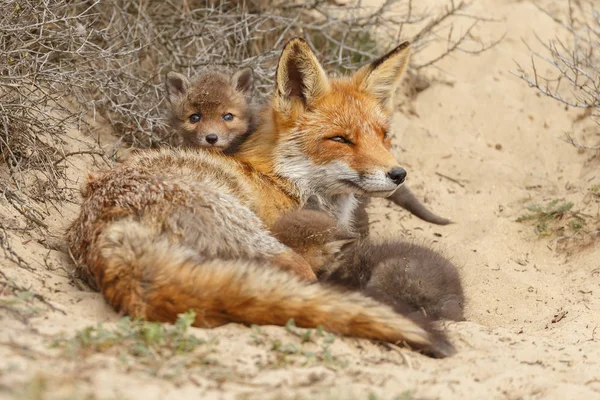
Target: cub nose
{"points": [[397, 175], [212, 138]]}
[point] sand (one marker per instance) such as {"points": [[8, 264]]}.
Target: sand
{"points": [[479, 145]]}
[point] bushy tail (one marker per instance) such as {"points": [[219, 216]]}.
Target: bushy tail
{"points": [[407, 200], [142, 274]]}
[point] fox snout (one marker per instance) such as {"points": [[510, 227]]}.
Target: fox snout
{"points": [[380, 182], [397, 175], [211, 138]]}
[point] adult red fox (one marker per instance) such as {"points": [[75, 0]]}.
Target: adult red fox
{"points": [[216, 111], [172, 230]]}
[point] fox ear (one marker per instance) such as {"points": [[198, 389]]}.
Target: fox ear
{"points": [[177, 86], [243, 81], [337, 246], [381, 77], [299, 74], [91, 177]]}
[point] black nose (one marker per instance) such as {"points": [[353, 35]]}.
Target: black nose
{"points": [[212, 138], [397, 175]]}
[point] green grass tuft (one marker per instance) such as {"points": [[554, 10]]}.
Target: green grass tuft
{"points": [[136, 338], [313, 348], [553, 218]]}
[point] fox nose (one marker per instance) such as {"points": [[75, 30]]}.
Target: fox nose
{"points": [[212, 138], [397, 175]]}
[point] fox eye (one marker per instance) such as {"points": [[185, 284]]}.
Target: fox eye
{"points": [[228, 117], [340, 139], [386, 134], [195, 118]]}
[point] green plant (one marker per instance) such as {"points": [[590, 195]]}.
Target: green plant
{"points": [[140, 339], [286, 354], [553, 217]]}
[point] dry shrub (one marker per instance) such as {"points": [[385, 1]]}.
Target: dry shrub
{"points": [[574, 60], [36, 44], [74, 61], [80, 64], [143, 40]]}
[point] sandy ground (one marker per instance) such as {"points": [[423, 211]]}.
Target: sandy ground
{"points": [[512, 347]]}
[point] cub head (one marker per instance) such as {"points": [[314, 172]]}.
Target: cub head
{"points": [[214, 110], [333, 133], [314, 235]]}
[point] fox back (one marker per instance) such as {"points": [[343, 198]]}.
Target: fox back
{"points": [[312, 234]]}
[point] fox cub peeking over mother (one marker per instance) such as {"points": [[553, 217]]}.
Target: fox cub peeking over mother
{"points": [[214, 112], [177, 229]]}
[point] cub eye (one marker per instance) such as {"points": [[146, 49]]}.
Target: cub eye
{"points": [[195, 118], [228, 117], [340, 139], [386, 134]]}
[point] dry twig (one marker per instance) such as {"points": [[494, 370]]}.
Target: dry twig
{"points": [[65, 62], [575, 62]]}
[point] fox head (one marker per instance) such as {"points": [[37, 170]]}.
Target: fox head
{"points": [[214, 110], [332, 134]]}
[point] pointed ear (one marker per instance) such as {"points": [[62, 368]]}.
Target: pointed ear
{"points": [[381, 77], [177, 86], [299, 75], [91, 177], [243, 81], [335, 247]]}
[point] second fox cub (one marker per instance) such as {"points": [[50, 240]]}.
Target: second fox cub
{"points": [[216, 111], [408, 277], [170, 230]]}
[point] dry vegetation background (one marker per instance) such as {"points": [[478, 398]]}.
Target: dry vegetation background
{"points": [[82, 81], [90, 65], [574, 58]]}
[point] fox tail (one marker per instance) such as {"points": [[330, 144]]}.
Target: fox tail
{"points": [[144, 275]]}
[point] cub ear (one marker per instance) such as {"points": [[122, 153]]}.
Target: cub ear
{"points": [[243, 81], [91, 177], [300, 76], [342, 239], [381, 77], [337, 246], [177, 86]]}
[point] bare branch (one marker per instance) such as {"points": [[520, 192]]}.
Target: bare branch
{"points": [[63, 63], [569, 139], [573, 59]]}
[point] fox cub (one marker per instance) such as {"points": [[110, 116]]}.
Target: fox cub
{"points": [[408, 277], [171, 230], [215, 111]]}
